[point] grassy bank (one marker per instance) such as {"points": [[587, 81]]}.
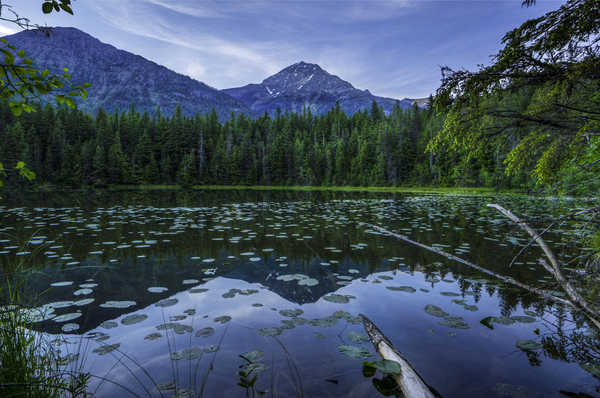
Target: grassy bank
{"points": [[421, 190]]}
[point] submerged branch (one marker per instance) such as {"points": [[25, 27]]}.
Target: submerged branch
{"points": [[553, 267], [479, 268]]}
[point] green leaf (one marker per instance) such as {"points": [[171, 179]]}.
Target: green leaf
{"points": [[488, 322], [21, 53], [47, 7], [67, 8], [368, 370], [16, 109], [20, 165], [385, 386], [388, 367]]}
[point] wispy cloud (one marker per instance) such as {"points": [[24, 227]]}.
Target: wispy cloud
{"points": [[198, 9], [392, 47]]}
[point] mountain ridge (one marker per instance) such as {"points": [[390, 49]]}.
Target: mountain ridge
{"points": [[304, 85], [120, 78]]}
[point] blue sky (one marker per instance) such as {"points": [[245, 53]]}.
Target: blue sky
{"points": [[394, 48]]}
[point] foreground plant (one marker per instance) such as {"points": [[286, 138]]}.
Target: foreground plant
{"points": [[30, 365]]}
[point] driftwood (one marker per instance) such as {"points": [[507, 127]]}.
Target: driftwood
{"points": [[409, 381], [553, 267], [507, 279]]}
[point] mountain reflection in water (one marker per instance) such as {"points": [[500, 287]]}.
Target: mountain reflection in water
{"points": [[164, 296]]}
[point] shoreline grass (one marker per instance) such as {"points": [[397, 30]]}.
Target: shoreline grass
{"points": [[371, 189]]}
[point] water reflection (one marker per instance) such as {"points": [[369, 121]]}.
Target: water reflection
{"points": [[171, 296]]}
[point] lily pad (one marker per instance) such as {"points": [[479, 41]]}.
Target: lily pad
{"points": [[205, 332], [157, 289], [118, 304], [528, 345], [133, 319], [166, 302], [177, 328], [455, 322], [82, 302], [222, 319], [105, 349], [435, 311], [67, 317], [70, 327], [324, 322], [338, 298], [109, 324], [253, 356], [63, 283], [291, 313], [407, 289], [357, 337], [188, 353], [354, 352], [308, 282], [153, 336], [269, 332], [61, 304], [88, 285], [386, 366]]}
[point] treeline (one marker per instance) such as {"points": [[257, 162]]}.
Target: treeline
{"points": [[70, 148]]}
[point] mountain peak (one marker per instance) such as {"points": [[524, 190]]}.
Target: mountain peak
{"points": [[306, 77], [304, 85], [304, 66]]}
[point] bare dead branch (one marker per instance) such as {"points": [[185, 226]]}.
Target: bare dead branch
{"points": [[553, 267], [507, 279]]}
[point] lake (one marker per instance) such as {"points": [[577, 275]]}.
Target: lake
{"points": [[173, 293]]}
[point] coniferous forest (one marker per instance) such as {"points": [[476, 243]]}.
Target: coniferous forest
{"points": [[67, 147]]}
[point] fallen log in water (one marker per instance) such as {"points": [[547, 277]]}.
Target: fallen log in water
{"points": [[507, 279], [576, 301], [409, 381]]}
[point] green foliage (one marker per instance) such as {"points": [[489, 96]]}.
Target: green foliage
{"points": [[21, 79], [49, 6], [31, 365], [537, 104], [63, 146]]}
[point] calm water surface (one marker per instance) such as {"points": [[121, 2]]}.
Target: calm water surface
{"points": [[161, 289]]}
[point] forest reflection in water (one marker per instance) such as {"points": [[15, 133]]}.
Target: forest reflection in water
{"points": [[182, 283]]}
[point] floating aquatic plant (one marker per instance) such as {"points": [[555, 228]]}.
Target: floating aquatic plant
{"points": [[118, 304], [354, 352]]}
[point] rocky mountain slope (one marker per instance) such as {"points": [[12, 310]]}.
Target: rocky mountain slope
{"points": [[120, 78], [308, 85]]}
